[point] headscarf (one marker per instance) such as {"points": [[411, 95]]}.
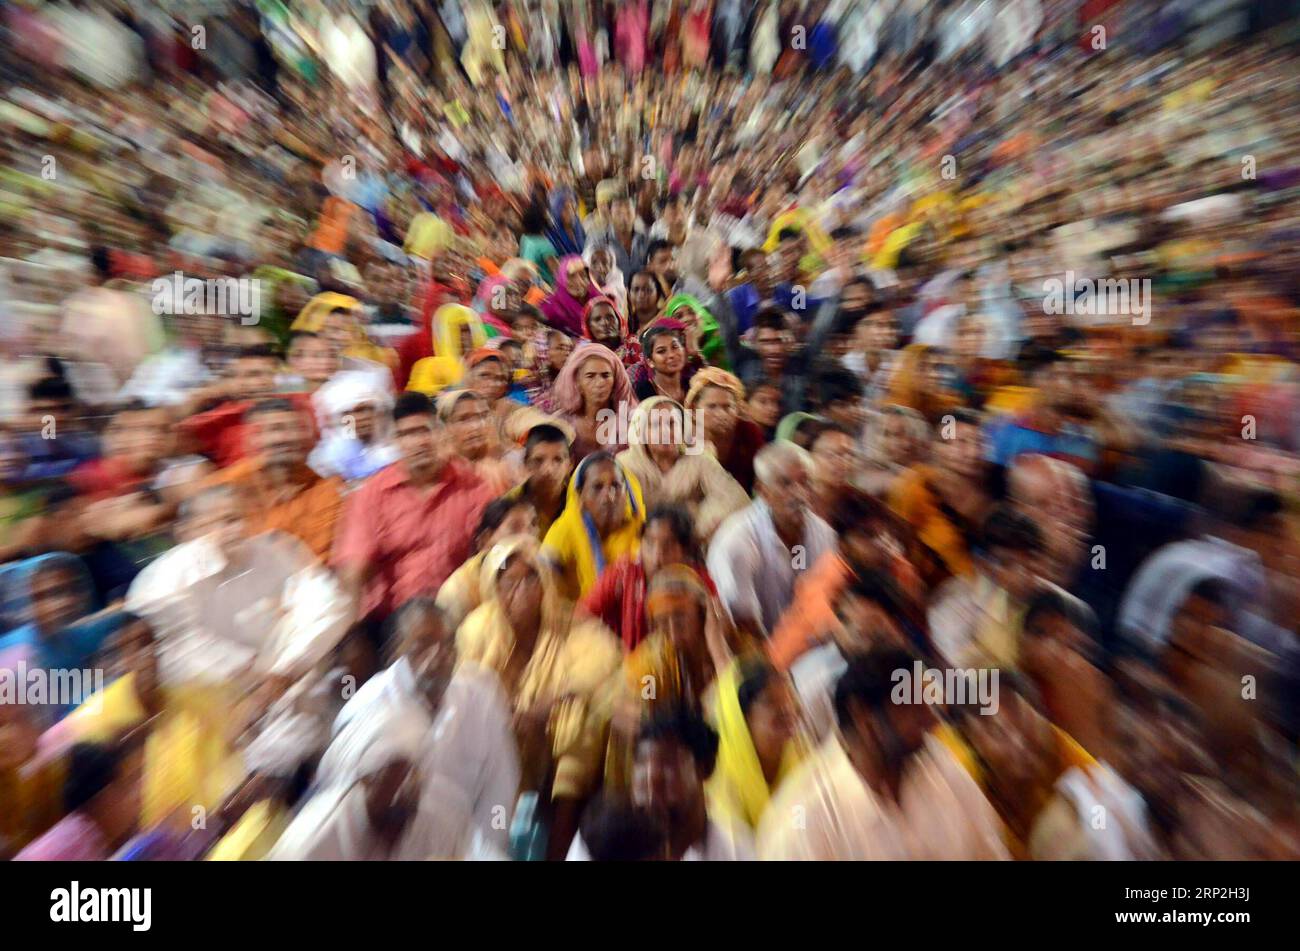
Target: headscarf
{"points": [[615, 286], [339, 452], [566, 397], [738, 786], [563, 242], [573, 541], [714, 376], [312, 318], [711, 344], [590, 306], [432, 374], [72, 646], [562, 310]]}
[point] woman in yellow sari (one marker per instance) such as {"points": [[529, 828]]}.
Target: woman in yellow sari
{"points": [[559, 671], [759, 743], [335, 317], [602, 519], [457, 332], [189, 755]]}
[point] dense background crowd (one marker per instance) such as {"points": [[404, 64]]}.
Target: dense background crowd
{"points": [[545, 429]]}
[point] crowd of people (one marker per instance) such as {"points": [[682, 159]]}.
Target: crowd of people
{"points": [[647, 431]]}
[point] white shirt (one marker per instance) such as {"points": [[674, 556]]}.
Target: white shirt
{"points": [[468, 742]]}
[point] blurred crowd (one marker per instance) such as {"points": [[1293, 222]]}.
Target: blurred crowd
{"points": [[689, 429]]}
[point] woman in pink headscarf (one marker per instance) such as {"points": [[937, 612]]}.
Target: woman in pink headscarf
{"points": [[591, 385], [573, 288]]}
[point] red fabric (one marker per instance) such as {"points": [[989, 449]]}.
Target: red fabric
{"points": [[618, 599], [221, 433], [106, 477], [411, 541], [419, 345], [739, 461]]}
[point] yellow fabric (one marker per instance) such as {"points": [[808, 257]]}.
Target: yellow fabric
{"points": [[427, 234], [573, 669], [253, 835], [188, 759], [447, 323], [432, 375], [802, 220], [569, 547], [738, 787], [312, 318], [887, 256]]}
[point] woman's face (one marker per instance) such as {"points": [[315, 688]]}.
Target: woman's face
{"points": [[718, 409], [577, 281], [681, 624], [595, 382], [337, 329], [771, 720], [765, 406], [602, 496], [603, 323], [667, 355], [560, 348], [520, 589], [897, 439], [469, 426], [490, 380], [55, 597]]}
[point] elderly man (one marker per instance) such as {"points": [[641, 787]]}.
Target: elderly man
{"points": [[758, 553]]}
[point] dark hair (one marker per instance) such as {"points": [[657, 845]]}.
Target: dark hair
{"points": [[878, 588], [544, 433], [679, 521], [1006, 528], [855, 510], [868, 680], [686, 727], [257, 351], [92, 767], [770, 318], [649, 277], [615, 830], [412, 403], [50, 388], [272, 404], [296, 335], [590, 463], [1052, 603], [788, 234], [533, 220], [835, 385], [753, 677], [526, 310], [843, 233], [829, 426], [496, 512], [655, 246]]}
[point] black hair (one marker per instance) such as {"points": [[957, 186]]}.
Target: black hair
{"points": [[258, 351], [274, 404], [685, 726], [590, 463], [615, 830], [858, 510], [92, 767], [1052, 603], [655, 246], [544, 433], [770, 318], [50, 388], [836, 385], [843, 233], [788, 234], [496, 512], [533, 220], [1006, 528], [527, 310], [878, 588], [868, 679], [412, 403], [296, 335], [650, 277], [754, 676], [678, 520]]}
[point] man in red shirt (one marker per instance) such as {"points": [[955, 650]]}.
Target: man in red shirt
{"points": [[411, 524]]}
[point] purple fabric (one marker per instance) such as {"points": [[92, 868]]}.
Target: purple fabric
{"points": [[74, 838]]}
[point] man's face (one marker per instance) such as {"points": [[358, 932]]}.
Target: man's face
{"points": [[665, 780], [560, 346], [489, 379], [836, 458], [469, 426], [220, 518], [773, 346], [547, 464], [756, 267], [55, 596], [963, 453], [430, 649], [664, 263], [642, 294], [280, 438], [602, 497], [878, 332], [254, 377], [313, 359], [417, 439], [621, 214], [787, 494], [139, 438], [604, 325], [787, 256]]}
